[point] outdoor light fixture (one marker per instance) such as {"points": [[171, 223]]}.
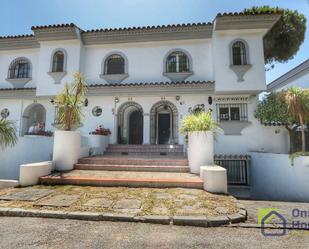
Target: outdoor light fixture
{"points": [[116, 99], [210, 100], [177, 98], [86, 102]]}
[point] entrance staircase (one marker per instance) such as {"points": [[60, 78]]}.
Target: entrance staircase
{"points": [[131, 166]]}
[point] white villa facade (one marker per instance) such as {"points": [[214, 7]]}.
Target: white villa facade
{"points": [[143, 81]]}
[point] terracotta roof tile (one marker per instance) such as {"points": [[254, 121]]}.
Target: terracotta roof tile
{"points": [[16, 36], [249, 13], [149, 27], [151, 84], [64, 25]]}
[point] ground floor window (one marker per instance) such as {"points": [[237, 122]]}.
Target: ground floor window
{"points": [[33, 119], [232, 112]]}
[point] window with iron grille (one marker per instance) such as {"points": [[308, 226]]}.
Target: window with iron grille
{"points": [[58, 62], [232, 112], [114, 64], [177, 62], [239, 53], [19, 69]]}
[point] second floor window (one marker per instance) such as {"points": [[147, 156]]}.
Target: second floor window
{"points": [[58, 62], [239, 55], [114, 64], [19, 69], [232, 112], [177, 62]]}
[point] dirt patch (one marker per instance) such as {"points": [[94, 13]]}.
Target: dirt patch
{"points": [[154, 201]]}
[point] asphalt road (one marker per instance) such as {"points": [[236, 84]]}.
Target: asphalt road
{"points": [[65, 234]]}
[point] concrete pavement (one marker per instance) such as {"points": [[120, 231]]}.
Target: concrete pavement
{"points": [[35, 233]]}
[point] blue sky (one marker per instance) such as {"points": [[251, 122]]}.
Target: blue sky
{"points": [[18, 16]]}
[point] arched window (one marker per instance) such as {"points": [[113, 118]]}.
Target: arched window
{"points": [[239, 53], [177, 62], [114, 64], [58, 62], [20, 69]]}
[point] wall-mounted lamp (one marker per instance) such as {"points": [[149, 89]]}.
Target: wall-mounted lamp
{"points": [[210, 100], [86, 102], [116, 100]]}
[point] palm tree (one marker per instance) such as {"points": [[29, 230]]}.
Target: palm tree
{"points": [[69, 104], [8, 135], [297, 102]]}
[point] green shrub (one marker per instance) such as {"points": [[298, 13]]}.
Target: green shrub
{"points": [[201, 121]]}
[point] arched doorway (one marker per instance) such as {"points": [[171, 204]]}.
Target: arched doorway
{"points": [[34, 117], [130, 123], [164, 123]]}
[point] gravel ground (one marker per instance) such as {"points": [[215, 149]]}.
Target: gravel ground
{"points": [[52, 233]]}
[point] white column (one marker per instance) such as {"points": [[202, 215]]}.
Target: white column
{"points": [[146, 132]]}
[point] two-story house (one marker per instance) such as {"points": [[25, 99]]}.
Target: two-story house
{"points": [[142, 81]]}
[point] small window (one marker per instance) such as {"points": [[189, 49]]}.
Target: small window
{"points": [[232, 112], [177, 62], [239, 53], [114, 64], [19, 69], [58, 62]]}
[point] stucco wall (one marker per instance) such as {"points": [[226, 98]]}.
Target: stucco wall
{"points": [[226, 79], [29, 149], [273, 177], [6, 57], [302, 82], [146, 59]]}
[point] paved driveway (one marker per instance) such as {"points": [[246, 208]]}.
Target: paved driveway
{"points": [[284, 208], [52, 233]]}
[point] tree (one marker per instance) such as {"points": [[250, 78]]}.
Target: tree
{"points": [[282, 42], [297, 100], [8, 135], [69, 103], [280, 108]]}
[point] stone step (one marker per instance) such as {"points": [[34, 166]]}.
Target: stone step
{"points": [[143, 153], [129, 149], [148, 168], [124, 179], [158, 146], [123, 160]]}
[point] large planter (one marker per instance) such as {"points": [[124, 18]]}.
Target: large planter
{"points": [[98, 143], [66, 151], [201, 150]]}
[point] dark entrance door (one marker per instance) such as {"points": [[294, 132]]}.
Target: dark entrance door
{"points": [[136, 128], [164, 128]]}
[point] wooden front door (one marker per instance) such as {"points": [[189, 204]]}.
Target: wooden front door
{"points": [[164, 128], [136, 128]]}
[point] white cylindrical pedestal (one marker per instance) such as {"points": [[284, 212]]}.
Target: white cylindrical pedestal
{"points": [[201, 150], [66, 151], [214, 178]]}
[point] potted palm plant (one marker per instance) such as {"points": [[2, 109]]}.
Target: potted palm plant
{"points": [[201, 128], [67, 141], [8, 135]]}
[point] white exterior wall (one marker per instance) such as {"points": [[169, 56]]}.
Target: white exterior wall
{"points": [[302, 82], [146, 60], [46, 84], [275, 178], [226, 79], [255, 137], [7, 57]]}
